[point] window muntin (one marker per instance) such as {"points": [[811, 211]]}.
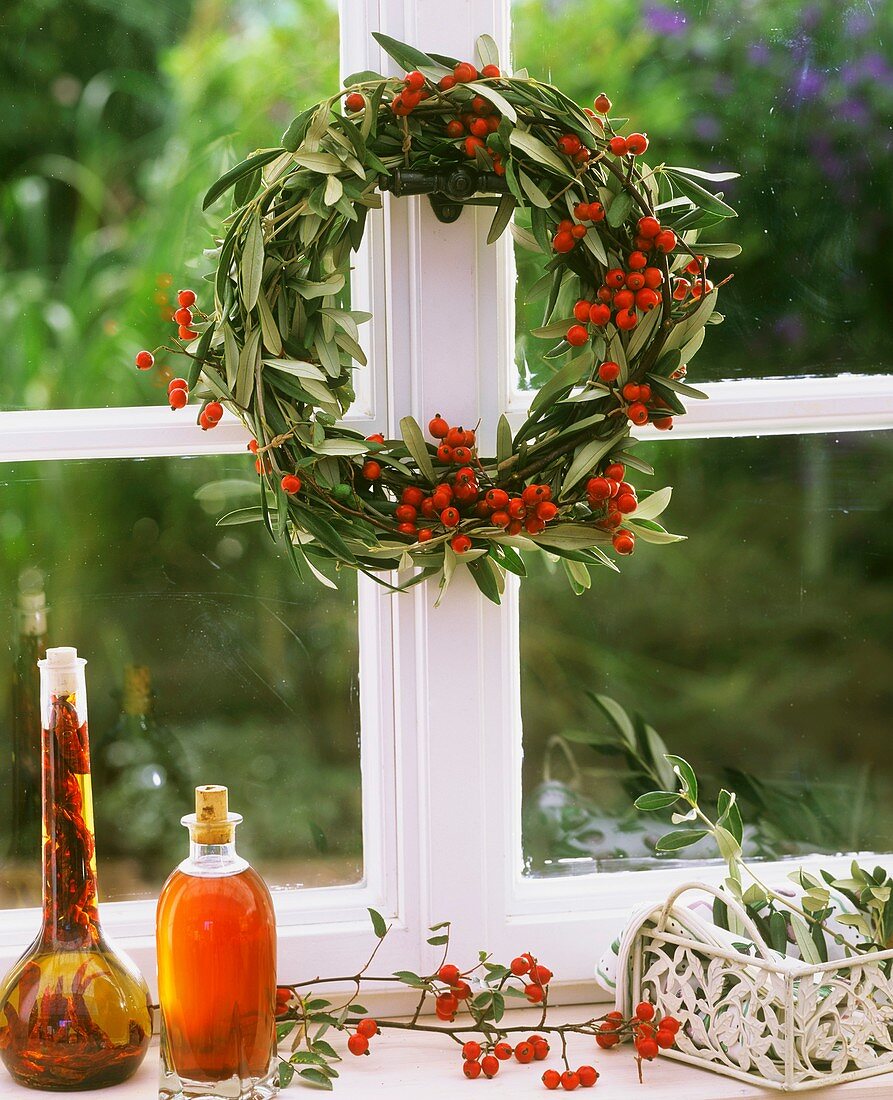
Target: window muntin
{"points": [[759, 649], [254, 672], [795, 97]]}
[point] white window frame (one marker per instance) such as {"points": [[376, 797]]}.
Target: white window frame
{"points": [[441, 746]]}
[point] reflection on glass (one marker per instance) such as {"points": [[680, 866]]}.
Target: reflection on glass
{"points": [[759, 649], [217, 663], [121, 122], [797, 97]]}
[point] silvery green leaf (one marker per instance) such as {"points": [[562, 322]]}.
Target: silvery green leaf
{"points": [[525, 238], [251, 269], [342, 447], [248, 360], [296, 367], [537, 150], [334, 190], [649, 531], [353, 349], [324, 163], [532, 191], [586, 458], [486, 52], [310, 289], [415, 444], [269, 330], [619, 209], [501, 218], [654, 504]]}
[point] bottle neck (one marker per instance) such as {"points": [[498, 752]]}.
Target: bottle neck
{"points": [[70, 912], [208, 860]]}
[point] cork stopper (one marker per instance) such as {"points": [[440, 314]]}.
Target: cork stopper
{"points": [[62, 668], [213, 822]]}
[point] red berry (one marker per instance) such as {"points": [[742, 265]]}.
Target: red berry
{"points": [[547, 510], [626, 319], [617, 145], [636, 261], [543, 975], [178, 384], [371, 470], [469, 437], [663, 423], [534, 993], [461, 544], [455, 129], [551, 1078], [455, 437], [697, 266], [671, 1024], [367, 1027], [681, 287], [665, 241], [425, 534], [446, 1004], [471, 1050], [602, 104], [471, 144], [581, 310], [186, 333], [608, 371], [144, 360], [449, 517], [186, 298], [358, 1044], [624, 299], [415, 81], [413, 495], [471, 1068], [540, 1050], [490, 71], [405, 513], [637, 413], [479, 128], [291, 484], [465, 72], [354, 102], [588, 1076], [630, 393], [581, 212], [406, 528], [624, 542], [648, 227], [183, 316], [444, 453], [596, 212], [377, 438], [598, 488], [502, 1051], [615, 278], [446, 82], [637, 144], [644, 392], [569, 144], [635, 280], [448, 974], [599, 314], [497, 498], [534, 525], [644, 1010], [647, 299], [569, 1081], [665, 1039], [462, 454], [647, 1049], [654, 277], [607, 1037], [500, 518], [524, 1053], [520, 966], [577, 336], [615, 471], [563, 241], [626, 503], [213, 410], [462, 990], [178, 398], [489, 1065], [579, 232]]}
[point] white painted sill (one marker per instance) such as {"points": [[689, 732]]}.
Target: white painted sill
{"points": [[406, 1066]]}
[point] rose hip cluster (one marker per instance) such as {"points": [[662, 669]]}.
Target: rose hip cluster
{"points": [[358, 1043], [178, 388], [613, 498], [650, 1035], [694, 288]]}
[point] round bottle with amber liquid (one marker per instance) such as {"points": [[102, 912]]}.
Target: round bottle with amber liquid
{"points": [[216, 938]]}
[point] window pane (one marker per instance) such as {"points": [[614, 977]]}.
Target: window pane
{"points": [[253, 673], [124, 113], [797, 97], [759, 650]]}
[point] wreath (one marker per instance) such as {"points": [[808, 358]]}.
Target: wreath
{"points": [[626, 296]]}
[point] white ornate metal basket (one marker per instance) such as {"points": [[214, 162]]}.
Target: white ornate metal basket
{"points": [[761, 1017]]}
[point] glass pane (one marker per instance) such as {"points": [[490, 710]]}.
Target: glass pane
{"points": [[253, 673], [759, 650], [124, 113], [797, 97]]}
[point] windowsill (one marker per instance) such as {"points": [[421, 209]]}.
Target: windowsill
{"points": [[413, 1065]]}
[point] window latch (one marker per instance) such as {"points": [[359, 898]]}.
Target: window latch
{"points": [[448, 191]]}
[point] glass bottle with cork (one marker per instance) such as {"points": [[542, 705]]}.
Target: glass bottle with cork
{"points": [[216, 940], [74, 1011]]}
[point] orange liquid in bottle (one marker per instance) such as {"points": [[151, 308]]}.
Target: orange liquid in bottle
{"points": [[216, 940]]}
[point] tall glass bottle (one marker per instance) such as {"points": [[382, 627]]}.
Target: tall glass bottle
{"points": [[31, 631], [74, 1012], [216, 936]]}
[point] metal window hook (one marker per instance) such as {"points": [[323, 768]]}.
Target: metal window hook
{"points": [[448, 191]]}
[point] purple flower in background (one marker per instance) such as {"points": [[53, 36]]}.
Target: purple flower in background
{"points": [[872, 67], [857, 23], [759, 54], [810, 84], [706, 127], [811, 17], [664, 20], [855, 112], [723, 85]]}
